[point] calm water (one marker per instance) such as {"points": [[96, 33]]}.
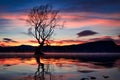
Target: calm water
{"points": [[60, 66]]}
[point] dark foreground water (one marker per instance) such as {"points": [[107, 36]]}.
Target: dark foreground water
{"points": [[60, 66]]}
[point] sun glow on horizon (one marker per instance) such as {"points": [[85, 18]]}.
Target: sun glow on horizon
{"points": [[58, 42], [100, 19], [36, 44]]}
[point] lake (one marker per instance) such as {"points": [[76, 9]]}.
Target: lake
{"points": [[60, 66]]}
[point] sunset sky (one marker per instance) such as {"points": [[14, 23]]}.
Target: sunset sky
{"points": [[85, 21]]}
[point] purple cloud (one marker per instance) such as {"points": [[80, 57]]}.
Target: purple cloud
{"points": [[9, 40], [86, 33]]}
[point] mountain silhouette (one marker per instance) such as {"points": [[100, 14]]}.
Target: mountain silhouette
{"points": [[98, 46]]}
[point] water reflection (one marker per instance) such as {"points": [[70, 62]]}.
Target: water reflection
{"points": [[42, 70], [56, 67]]}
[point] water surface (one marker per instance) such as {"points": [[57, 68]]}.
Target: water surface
{"points": [[60, 66]]}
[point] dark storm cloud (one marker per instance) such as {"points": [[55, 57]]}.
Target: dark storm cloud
{"points": [[86, 33], [9, 40]]}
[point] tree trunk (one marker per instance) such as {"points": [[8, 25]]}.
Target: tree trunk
{"points": [[39, 48], [42, 44]]}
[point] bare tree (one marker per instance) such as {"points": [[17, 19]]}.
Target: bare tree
{"points": [[43, 20]]}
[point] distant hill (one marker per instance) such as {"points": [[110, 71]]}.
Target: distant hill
{"points": [[98, 46], [22, 48]]}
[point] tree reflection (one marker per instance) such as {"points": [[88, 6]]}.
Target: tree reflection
{"points": [[43, 72]]}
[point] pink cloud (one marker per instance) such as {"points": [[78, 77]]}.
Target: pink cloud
{"points": [[91, 19], [93, 22], [73, 20], [15, 20], [13, 16]]}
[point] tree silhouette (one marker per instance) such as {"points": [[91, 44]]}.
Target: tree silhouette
{"points": [[43, 20]]}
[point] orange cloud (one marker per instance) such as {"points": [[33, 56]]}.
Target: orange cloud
{"points": [[9, 43], [32, 41], [65, 42]]}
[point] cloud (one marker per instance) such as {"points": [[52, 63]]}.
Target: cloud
{"points": [[103, 6], [33, 41], [60, 42], [117, 41], [106, 38], [9, 40], [29, 32], [82, 16], [57, 42], [66, 42], [81, 19], [12, 20], [15, 6], [103, 38], [119, 36], [98, 6], [86, 33]]}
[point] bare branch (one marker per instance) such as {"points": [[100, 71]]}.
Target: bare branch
{"points": [[44, 19]]}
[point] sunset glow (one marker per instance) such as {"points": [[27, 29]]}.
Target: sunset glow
{"points": [[77, 15], [51, 61]]}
